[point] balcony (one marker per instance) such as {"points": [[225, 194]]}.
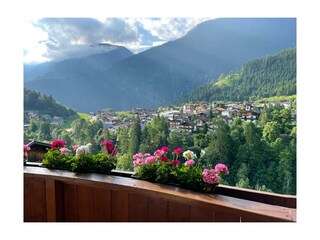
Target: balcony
{"points": [[63, 196]]}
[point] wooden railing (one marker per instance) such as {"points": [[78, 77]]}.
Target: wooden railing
{"points": [[57, 195]]}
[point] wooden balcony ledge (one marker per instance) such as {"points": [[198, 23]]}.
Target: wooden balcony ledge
{"points": [[57, 195]]}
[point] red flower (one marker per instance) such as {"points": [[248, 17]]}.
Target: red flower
{"points": [[57, 144], [165, 148], [175, 162], [163, 158], [110, 149], [177, 150]]}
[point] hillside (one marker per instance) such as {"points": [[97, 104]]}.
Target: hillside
{"points": [[45, 104], [261, 78], [163, 74]]}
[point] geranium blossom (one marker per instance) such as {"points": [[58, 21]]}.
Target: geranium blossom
{"points": [[138, 162], [177, 150], [221, 168], [165, 149], [137, 156], [74, 147], [150, 159], [175, 162], [158, 153], [57, 144], [189, 155], [210, 176], [163, 158], [189, 162], [63, 150], [110, 149], [26, 149]]}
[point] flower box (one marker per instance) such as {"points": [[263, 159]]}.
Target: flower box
{"points": [[59, 157], [191, 175]]}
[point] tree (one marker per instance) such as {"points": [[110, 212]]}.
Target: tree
{"points": [[221, 145], [45, 133], [271, 131], [135, 136]]}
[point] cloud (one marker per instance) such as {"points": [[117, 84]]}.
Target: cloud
{"points": [[63, 38], [72, 37], [167, 29]]}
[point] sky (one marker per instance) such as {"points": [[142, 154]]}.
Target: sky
{"points": [[57, 39]]}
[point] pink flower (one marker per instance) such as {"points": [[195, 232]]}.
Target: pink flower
{"points": [[221, 168], [26, 148], [150, 159], [137, 156], [138, 162], [189, 162], [177, 150], [165, 149], [158, 153], [63, 150], [210, 176], [147, 155], [175, 162], [75, 147], [57, 144]]}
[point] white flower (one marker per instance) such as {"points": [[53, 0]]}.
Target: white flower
{"points": [[83, 149], [189, 155]]}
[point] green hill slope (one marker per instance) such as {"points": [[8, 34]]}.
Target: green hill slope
{"points": [[45, 104], [261, 78]]}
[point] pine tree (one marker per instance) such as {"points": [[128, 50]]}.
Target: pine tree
{"points": [[135, 136]]}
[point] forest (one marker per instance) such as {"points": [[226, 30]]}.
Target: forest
{"points": [[260, 78], [260, 155], [45, 104]]}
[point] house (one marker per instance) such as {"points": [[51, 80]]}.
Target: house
{"points": [[38, 149], [57, 120], [187, 125], [250, 115]]}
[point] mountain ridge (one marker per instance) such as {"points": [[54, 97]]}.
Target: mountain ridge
{"points": [[163, 74]]}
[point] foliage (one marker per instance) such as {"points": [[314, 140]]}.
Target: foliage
{"points": [[257, 79], [160, 168], [45, 104], [56, 159], [84, 161]]}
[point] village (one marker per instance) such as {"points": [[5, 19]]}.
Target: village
{"points": [[189, 117]]}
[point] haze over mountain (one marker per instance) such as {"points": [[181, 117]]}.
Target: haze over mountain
{"points": [[163, 74]]}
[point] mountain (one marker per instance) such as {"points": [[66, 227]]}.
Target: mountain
{"points": [[102, 57], [163, 74], [260, 78], [45, 104]]}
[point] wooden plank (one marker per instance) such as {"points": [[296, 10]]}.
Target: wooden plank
{"points": [[102, 205], [201, 214], [119, 206], [226, 204], [38, 200], [27, 199], [178, 212], [85, 204], [70, 202], [138, 208], [157, 210], [59, 201], [221, 216], [51, 200]]}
